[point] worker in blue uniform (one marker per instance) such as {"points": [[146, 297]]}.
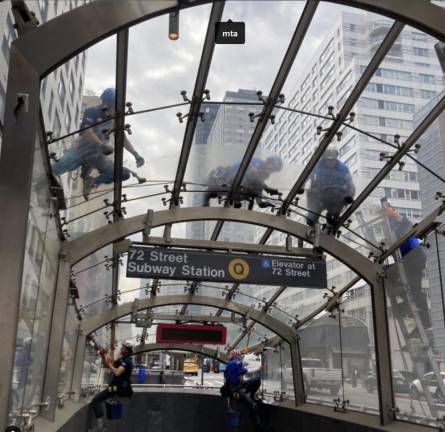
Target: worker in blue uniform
{"points": [[239, 388], [331, 188], [413, 260], [120, 383], [91, 148], [252, 186]]}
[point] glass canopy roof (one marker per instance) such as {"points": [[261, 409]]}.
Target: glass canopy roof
{"points": [[387, 80]]}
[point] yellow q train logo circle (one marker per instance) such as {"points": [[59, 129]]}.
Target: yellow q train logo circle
{"points": [[239, 269]]}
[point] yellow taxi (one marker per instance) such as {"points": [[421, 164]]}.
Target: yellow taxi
{"points": [[190, 367]]}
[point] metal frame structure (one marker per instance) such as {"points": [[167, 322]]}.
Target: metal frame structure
{"points": [[31, 61], [207, 352]]}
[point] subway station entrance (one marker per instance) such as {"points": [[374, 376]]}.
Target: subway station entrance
{"points": [[223, 215]]}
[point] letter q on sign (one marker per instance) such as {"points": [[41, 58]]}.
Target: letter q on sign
{"points": [[239, 269]]}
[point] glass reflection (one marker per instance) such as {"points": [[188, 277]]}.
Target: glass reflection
{"points": [[416, 322]]}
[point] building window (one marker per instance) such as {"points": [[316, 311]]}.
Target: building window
{"points": [[427, 94], [426, 78], [57, 125], [422, 52], [51, 105], [62, 91]]}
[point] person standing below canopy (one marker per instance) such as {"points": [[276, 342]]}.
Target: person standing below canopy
{"points": [[120, 383], [331, 188], [253, 183], [91, 148]]}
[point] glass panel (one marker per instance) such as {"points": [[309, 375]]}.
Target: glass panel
{"points": [[287, 383], [218, 146], [83, 163], [321, 353], [408, 190], [273, 21], [160, 146], [68, 351], [329, 64], [37, 293], [169, 61], [273, 374], [358, 352], [414, 290], [402, 92], [93, 278]]}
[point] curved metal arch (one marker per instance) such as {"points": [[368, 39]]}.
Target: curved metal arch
{"points": [[89, 325], [198, 349], [88, 243], [102, 18]]}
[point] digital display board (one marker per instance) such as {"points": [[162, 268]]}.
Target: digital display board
{"points": [[191, 334], [186, 264]]}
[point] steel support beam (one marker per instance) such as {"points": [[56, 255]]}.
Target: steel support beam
{"points": [[297, 372], [95, 322], [198, 349], [423, 15], [17, 155], [82, 22], [195, 318], [78, 365], [90, 242], [119, 122], [263, 119], [195, 107], [57, 332], [340, 118], [403, 150], [196, 101], [382, 353]]}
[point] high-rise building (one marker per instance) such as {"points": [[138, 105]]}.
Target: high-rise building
{"points": [[219, 140], [406, 80], [432, 155]]}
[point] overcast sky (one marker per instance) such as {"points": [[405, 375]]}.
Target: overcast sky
{"points": [[158, 69]]}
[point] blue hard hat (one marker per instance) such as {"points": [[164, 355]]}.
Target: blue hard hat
{"points": [[276, 162], [109, 96]]}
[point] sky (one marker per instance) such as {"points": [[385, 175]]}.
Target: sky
{"points": [[158, 69]]}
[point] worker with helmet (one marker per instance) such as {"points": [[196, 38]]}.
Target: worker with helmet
{"points": [[120, 383], [331, 188], [253, 184], [239, 388], [91, 149]]}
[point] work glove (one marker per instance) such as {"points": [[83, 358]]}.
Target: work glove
{"points": [[139, 160], [349, 200]]}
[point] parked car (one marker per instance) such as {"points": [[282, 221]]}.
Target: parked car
{"points": [[190, 367], [400, 383], [429, 379], [316, 376]]}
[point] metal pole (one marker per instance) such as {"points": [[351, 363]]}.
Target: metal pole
{"points": [[297, 372], [57, 333], [382, 353]]}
